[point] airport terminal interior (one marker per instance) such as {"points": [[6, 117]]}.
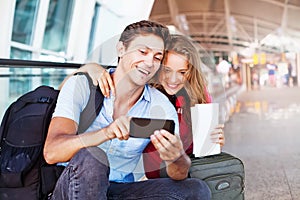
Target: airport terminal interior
{"points": [[250, 54]]}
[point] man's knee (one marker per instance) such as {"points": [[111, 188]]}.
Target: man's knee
{"points": [[88, 170], [199, 188]]}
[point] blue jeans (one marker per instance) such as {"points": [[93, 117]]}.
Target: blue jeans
{"points": [[86, 177]]}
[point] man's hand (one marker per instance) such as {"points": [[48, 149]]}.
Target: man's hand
{"points": [[169, 146], [118, 129]]}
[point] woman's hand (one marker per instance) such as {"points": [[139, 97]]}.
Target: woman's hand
{"points": [[217, 135], [100, 77]]}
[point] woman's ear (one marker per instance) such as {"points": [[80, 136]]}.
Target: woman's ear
{"points": [[120, 49]]}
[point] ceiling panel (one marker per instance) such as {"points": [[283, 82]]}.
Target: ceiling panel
{"points": [[230, 23]]}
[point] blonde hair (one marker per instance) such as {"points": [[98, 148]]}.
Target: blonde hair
{"points": [[195, 82]]}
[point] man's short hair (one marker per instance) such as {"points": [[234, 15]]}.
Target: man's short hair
{"points": [[144, 27]]}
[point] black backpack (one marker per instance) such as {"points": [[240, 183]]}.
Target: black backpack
{"points": [[24, 174]]}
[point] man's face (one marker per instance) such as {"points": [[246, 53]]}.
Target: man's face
{"points": [[142, 58]]}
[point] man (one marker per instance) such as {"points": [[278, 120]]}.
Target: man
{"points": [[102, 160]]}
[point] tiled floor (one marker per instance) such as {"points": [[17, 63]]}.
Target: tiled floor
{"points": [[265, 134]]}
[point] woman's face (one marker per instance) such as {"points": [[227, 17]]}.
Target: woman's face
{"points": [[172, 75]]}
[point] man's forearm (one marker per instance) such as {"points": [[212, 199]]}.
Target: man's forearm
{"points": [[178, 170]]}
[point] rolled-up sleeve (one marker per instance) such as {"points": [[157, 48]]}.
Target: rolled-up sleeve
{"points": [[72, 98]]}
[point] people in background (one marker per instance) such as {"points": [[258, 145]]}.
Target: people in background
{"points": [[272, 73]]}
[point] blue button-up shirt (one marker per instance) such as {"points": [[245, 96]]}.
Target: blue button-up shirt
{"points": [[123, 155]]}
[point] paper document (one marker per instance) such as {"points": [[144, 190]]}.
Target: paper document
{"points": [[205, 117]]}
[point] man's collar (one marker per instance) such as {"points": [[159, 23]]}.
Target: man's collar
{"points": [[146, 94], [111, 70]]}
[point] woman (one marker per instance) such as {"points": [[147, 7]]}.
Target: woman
{"points": [[181, 80]]}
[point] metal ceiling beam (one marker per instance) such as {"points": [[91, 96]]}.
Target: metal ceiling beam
{"points": [[274, 2], [255, 30], [215, 27], [205, 30], [284, 17], [173, 10], [175, 17], [228, 23]]}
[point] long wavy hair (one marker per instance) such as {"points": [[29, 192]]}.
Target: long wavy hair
{"points": [[195, 84]]}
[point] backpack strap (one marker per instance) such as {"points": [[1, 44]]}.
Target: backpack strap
{"points": [[46, 95], [93, 107]]}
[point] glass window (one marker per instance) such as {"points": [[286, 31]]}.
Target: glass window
{"points": [[24, 21], [58, 25], [53, 77], [16, 53], [93, 28], [19, 81]]}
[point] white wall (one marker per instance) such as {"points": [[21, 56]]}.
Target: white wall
{"points": [[114, 16], [6, 22], [80, 30]]}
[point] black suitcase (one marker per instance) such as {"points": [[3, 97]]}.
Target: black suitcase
{"points": [[223, 173]]}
